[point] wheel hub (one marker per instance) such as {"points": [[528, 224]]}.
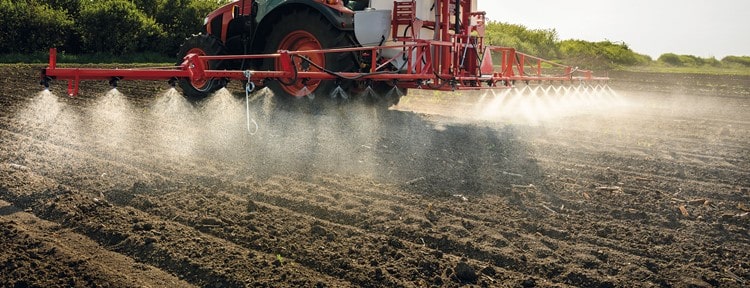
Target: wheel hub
{"points": [[301, 40], [199, 83]]}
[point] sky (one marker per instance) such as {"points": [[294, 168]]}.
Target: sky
{"points": [[695, 27]]}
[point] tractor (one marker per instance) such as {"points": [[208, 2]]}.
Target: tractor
{"points": [[267, 26], [333, 49]]}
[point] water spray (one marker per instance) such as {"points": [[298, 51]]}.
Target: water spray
{"points": [[369, 93], [394, 91], [339, 92]]}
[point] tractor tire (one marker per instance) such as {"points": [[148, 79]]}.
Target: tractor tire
{"points": [[204, 45], [303, 30]]}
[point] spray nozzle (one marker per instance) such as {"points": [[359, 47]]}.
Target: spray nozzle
{"points": [[172, 82], [45, 82], [113, 82]]}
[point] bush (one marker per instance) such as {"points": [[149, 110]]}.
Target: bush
{"points": [[180, 19], [71, 7], [104, 26], [712, 62], [163, 24], [737, 60], [691, 60], [117, 27], [538, 42], [672, 59], [604, 54], [30, 27]]}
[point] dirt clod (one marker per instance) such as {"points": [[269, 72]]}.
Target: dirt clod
{"points": [[465, 273], [527, 283]]}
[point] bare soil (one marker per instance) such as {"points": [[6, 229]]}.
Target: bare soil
{"points": [[146, 190]]}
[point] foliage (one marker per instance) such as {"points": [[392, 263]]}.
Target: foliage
{"points": [[538, 42], [706, 70], [544, 43], [104, 26], [604, 54], [180, 19], [71, 7], [671, 59], [736, 60], [117, 26], [29, 26], [177, 18], [600, 55]]}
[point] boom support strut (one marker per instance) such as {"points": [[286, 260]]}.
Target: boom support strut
{"points": [[454, 59], [513, 66]]}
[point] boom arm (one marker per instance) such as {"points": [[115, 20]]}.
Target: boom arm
{"points": [[514, 66], [454, 59]]}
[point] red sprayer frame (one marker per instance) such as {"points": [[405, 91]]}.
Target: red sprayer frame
{"points": [[457, 60]]}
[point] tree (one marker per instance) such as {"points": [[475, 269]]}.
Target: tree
{"points": [[539, 42], [29, 26], [737, 60], [117, 27], [671, 59], [603, 54], [180, 19]]}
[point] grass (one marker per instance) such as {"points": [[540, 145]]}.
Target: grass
{"points": [[98, 58], [707, 70]]}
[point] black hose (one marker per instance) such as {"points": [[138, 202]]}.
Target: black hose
{"points": [[360, 76]]}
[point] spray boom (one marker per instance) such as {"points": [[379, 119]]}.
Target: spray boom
{"points": [[445, 51]]}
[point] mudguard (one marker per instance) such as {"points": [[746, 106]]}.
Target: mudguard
{"points": [[338, 15]]}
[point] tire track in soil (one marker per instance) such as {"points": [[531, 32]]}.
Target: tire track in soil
{"points": [[198, 258], [588, 243], [435, 246], [311, 242], [648, 211], [67, 258], [444, 245], [593, 168], [475, 253], [93, 158], [655, 167], [643, 147]]}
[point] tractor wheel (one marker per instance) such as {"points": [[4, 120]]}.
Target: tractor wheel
{"points": [[304, 30], [196, 90]]}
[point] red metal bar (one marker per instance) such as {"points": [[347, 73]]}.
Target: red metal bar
{"points": [[538, 67], [420, 69], [52, 58], [444, 28], [373, 61]]}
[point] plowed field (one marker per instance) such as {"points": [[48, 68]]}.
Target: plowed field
{"points": [[144, 189]]}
